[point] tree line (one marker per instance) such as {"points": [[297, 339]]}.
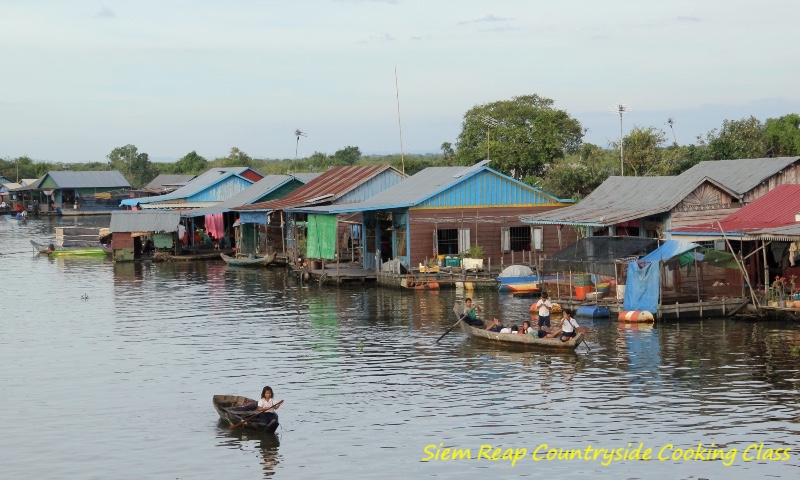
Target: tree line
{"points": [[526, 137]]}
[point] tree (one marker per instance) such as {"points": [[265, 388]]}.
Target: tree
{"points": [[743, 138], [783, 135], [347, 156], [135, 166], [191, 163], [642, 150], [579, 174], [521, 135], [447, 152]]}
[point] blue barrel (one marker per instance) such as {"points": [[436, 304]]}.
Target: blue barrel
{"points": [[593, 311]]}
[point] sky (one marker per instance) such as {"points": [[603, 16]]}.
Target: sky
{"points": [[80, 78]]}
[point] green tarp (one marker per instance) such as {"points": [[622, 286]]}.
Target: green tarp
{"points": [[321, 236], [162, 240]]}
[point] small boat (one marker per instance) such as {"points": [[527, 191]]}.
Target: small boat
{"points": [[14, 219], [64, 251], [235, 409], [248, 261], [519, 340], [518, 279], [79, 252]]}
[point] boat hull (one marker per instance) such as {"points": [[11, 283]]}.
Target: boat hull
{"points": [[519, 284], [234, 409], [248, 262], [520, 340]]}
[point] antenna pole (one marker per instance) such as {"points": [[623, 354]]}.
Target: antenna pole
{"points": [[399, 125], [621, 162]]}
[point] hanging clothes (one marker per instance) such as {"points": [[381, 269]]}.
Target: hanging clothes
{"points": [[215, 225], [792, 252]]}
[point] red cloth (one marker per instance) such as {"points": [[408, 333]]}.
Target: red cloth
{"points": [[215, 225]]}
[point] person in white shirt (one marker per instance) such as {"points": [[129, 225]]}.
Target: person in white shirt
{"points": [[569, 327], [544, 306], [267, 402]]}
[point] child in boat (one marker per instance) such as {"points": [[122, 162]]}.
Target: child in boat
{"points": [[495, 326], [543, 307], [569, 327], [526, 326], [267, 401], [469, 317]]}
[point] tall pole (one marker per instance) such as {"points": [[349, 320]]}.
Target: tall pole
{"points": [[399, 125], [621, 162]]}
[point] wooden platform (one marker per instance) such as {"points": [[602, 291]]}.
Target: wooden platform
{"points": [[342, 275]]}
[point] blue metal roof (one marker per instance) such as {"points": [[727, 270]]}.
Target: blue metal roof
{"points": [[199, 184], [247, 196], [449, 187]]}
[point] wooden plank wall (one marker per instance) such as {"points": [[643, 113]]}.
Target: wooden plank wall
{"points": [[789, 175], [683, 219], [488, 233]]}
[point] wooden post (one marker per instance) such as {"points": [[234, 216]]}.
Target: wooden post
{"points": [[616, 283], [766, 267], [283, 233], [336, 249], [569, 294], [512, 257], [660, 287], [697, 279]]}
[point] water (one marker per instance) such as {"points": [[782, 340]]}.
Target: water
{"points": [[119, 385]]}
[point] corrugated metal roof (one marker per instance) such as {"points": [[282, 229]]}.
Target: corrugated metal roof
{"points": [[740, 175], [423, 186], [164, 180], [139, 221], [245, 197], [328, 187], [618, 199], [787, 233], [193, 206], [775, 209], [90, 179], [307, 177], [200, 183]]}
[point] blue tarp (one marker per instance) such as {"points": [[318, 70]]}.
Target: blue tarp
{"points": [[668, 250], [641, 292]]}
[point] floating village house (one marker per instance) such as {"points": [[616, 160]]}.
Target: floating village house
{"points": [[208, 189], [764, 234], [219, 220], [69, 191], [286, 232], [649, 206], [440, 212], [129, 227], [162, 185]]}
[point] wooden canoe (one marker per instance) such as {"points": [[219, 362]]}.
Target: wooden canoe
{"points": [[519, 340], [247, 261], [234, 409]]}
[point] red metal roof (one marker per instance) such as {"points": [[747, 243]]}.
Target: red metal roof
{"points": [[775, 209], [330, 185]]}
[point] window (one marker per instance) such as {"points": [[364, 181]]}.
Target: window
{"points": [[447, 241], [520, 238]]}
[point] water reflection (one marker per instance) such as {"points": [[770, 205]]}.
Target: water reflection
{"points": [[265, 445]]}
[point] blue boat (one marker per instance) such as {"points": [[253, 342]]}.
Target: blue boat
{"points": [[593, 311], [518, 279]]}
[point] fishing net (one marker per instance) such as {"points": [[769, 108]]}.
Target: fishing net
{"points": [[598, 255]]}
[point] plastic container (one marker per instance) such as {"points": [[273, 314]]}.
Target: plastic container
{"points": [[581, 292], [620, 292], [452, 262]]}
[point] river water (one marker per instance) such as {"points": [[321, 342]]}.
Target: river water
{"points": [[108, 372]]}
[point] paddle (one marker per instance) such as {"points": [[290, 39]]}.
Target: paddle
{"points": [[234, 427], [448, 330]]}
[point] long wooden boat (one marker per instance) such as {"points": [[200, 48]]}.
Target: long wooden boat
{"points": [[247, 261], [66, 251], [519, 340], [234, 409]]}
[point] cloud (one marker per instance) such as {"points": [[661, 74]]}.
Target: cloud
{"points": [[105, 13], [487, 18], [382, 38], [686, 18]]}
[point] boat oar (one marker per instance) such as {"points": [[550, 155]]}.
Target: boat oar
{"points": [[448, 330], [234, 427]]}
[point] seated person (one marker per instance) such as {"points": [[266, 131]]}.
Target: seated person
{"points": [[469, 317], [514, 329], [505, 330], [569, 327], [495, 326], [526, 327]]}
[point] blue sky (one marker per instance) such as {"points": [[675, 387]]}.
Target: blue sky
{"points": [[80, 78]]}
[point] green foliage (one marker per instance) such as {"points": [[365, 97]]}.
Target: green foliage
{"points": [[743, 138], [236, 158], [642, 151], [347, 156], [191, 163], [135, 166], [529, 134], [474, 251], [783, 135]]}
